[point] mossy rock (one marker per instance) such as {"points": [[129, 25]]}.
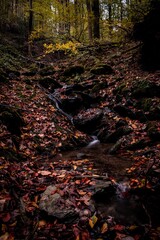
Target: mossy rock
{"points": [[47, 71], [145, 88], [12, 119], [121, 89], [49, 82], [145, 104], [102, 69], [98, 86], [74, 70], [153, 131]]}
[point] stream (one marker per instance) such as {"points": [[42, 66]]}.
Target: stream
{"points": [[124, 205]]}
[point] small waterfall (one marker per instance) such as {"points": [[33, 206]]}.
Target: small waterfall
{"points": [[94, 142]]}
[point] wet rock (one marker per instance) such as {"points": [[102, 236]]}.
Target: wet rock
{"points": [[89, 120], [125, 208], [73, 70], [69, 89], [116, 146], [71, 104], [124, 111], [80, 155], [52, 203], [138, 145], [49, 83], [117, 134], [88, 99], [103, 132], [102, 187], [102, 69]]}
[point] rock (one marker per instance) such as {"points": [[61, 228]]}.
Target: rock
{"points": [[126, 208], [121, 123], [69, 89], [89, 120], [47, 71], [116, 146], [138, 145], [153, 131], [124, 111], [52, 203], [30, 73], [98, 86], [12, 119], [73, 70], [49, 83], [145, 88], [81, 155], [102, 69], [103, 191], [71, 104], [117, 134]]}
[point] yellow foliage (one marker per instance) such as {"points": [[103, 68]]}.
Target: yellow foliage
{"points": [[69, 47]]}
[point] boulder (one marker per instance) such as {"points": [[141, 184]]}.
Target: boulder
{"points": [[89, 120], [71, 104], [124, 111], [54, 205], [145, 88], [73, 70], [47, 71], [49, 83], [102, 69], [114, 136], [153, 131]]}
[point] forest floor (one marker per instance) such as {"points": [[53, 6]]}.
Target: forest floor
{"points": [[57, 181]]}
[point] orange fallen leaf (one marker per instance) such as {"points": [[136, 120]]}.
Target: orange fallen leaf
{"points": [[92, 221], [104, 228], [44, 173]]}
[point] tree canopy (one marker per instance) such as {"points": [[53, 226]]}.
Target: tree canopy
{"points": [[82, 20]]}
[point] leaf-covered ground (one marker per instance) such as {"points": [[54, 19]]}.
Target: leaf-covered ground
{"points": [[33, 157]]}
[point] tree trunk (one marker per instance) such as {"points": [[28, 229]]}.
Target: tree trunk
{"points": [[30, 16], [110, 19], [96, 17], [89, 12]]}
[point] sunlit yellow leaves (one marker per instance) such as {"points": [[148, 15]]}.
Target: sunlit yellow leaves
{"points": [[92, 221], [69, 47]]}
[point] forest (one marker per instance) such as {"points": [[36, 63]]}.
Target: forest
{"points": [[79, 119]]}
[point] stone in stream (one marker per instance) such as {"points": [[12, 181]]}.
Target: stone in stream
{"points": [[89, 120], [118, 202]]}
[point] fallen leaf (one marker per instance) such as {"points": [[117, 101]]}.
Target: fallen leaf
{"points": [[104, 228], [92, 221], [5, 236], [44, 173]]}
